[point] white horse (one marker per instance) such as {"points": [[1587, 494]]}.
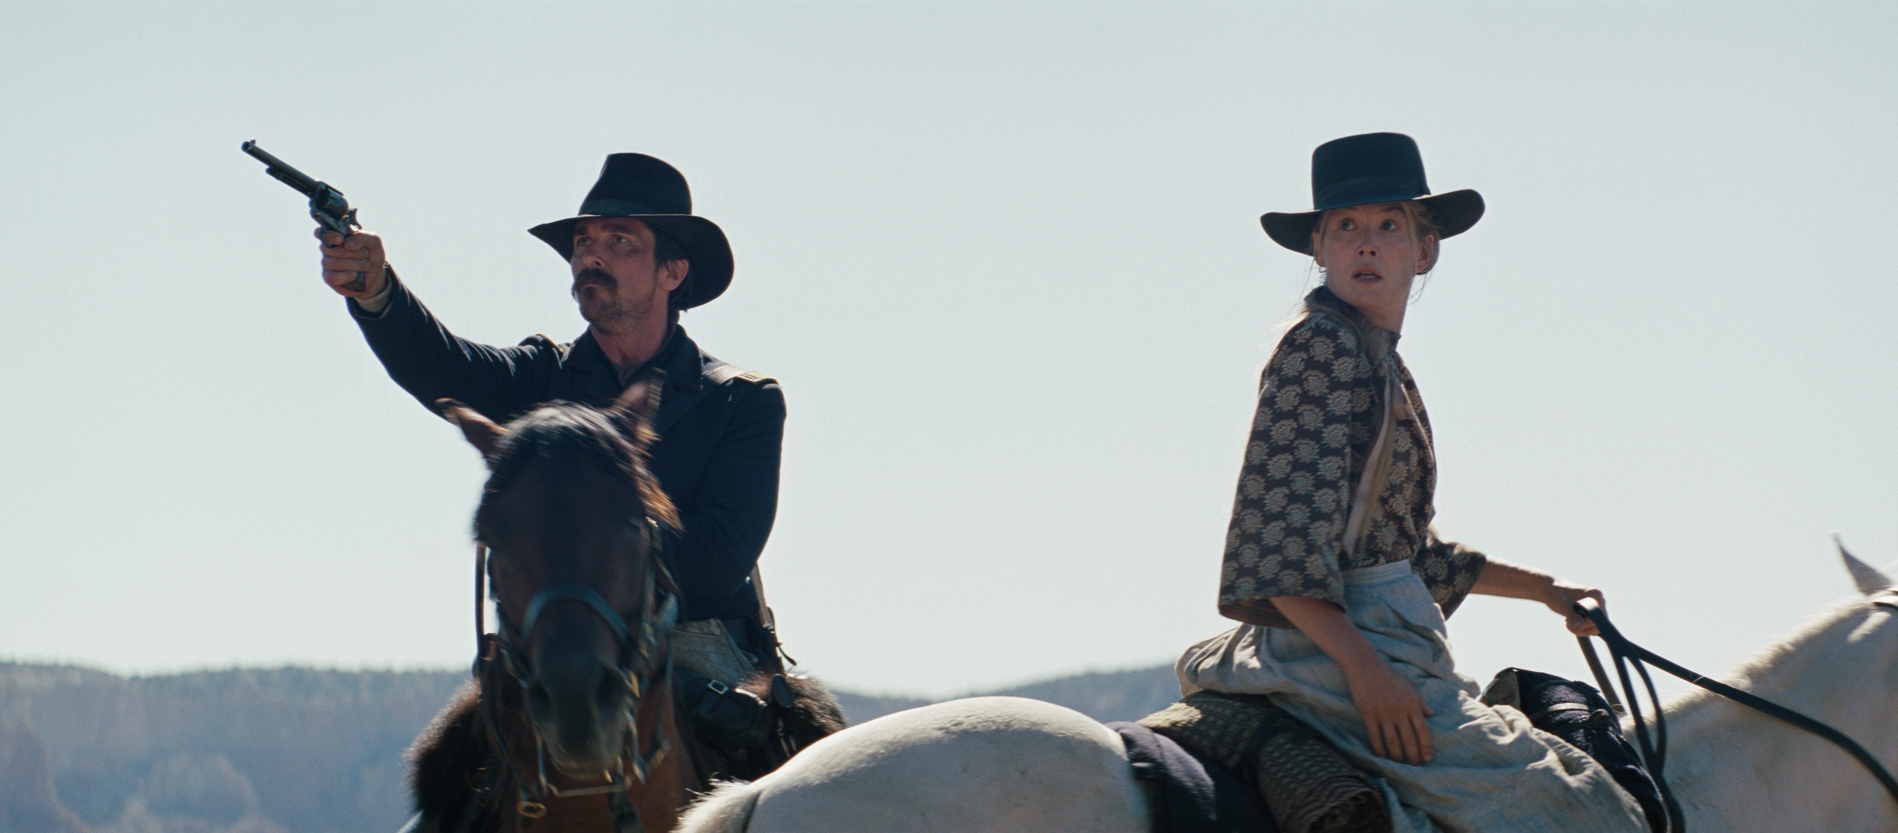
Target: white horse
{"points": [[995, 764]]}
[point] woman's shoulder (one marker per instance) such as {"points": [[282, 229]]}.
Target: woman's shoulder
{"points": [[1319, 337], [1328, 327]]}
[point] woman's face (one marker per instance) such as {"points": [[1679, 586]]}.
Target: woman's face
{"points": [[1371, 255]]}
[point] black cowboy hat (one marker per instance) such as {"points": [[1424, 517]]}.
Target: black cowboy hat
{"points": [[643, 188], [1372, 168]]}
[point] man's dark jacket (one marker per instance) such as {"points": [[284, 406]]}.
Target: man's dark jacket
{"points": [[720, 437]]}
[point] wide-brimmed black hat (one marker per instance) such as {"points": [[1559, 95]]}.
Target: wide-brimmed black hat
{"points": [[1372, 168], [643, 188]]}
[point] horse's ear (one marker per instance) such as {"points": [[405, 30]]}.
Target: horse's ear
{"points": [[1869, 579], [640, 401], [481, 431]]}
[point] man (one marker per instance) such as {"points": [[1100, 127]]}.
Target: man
{"points": [[638, 257]]}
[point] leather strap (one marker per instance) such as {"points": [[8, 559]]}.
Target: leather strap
{"points": [[720, 374], [1376, 468], [1625, 652]]}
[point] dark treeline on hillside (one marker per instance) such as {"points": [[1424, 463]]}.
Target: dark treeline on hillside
{"points": [[247, 751], [289, 750]]}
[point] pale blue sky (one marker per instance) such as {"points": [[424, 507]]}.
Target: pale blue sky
{"points": [[1004, 258]]}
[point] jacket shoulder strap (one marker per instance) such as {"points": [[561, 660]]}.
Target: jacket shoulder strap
{"points": [[725, 372]]}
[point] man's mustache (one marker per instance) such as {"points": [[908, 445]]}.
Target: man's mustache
{"points": [[593, 275]]}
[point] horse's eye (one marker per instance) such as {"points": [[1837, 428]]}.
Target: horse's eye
{"points": [[497, 562]]}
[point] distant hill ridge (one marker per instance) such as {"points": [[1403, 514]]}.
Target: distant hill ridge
{"points": [[291, 750]]}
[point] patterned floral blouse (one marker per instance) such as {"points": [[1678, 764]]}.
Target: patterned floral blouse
{"points": [[1318, 419]]}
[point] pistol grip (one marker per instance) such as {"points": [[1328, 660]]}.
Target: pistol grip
{"points": [[343, 227]]}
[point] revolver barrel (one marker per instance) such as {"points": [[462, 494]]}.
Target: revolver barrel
{"points": [[327, 205], [283, 171]]}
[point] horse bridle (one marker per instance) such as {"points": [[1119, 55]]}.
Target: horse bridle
{"points": [[1654, 750], [640, 660]]}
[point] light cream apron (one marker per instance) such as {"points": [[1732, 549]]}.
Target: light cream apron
{"points": [[1491, 772]]}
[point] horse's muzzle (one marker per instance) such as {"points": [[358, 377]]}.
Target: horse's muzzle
{"points": [[580, 706]]}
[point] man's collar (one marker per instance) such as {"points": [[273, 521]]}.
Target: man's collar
{"points": [[681, 361], [678, 356]]}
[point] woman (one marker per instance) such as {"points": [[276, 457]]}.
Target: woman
{"points": [[1330, 560]]}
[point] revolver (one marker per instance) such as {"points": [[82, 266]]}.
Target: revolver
{"points": [[327, 206]]}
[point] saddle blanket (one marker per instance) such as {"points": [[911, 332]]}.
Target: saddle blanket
{"points": [[1196, 795]]}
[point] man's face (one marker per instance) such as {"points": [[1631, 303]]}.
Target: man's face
{"points": [[614, 276]]}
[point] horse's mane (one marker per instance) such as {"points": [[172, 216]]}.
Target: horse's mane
{"points": [[567, 433], [1753, 669]]}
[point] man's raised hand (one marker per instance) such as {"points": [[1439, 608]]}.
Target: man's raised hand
{"points": [[353, 266]]}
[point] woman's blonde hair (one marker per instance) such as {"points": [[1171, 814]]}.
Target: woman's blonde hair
{"points": [[1422, 223]]}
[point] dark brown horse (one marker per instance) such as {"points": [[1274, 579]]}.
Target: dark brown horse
{"points": [[573, 722]]}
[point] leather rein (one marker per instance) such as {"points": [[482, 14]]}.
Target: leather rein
{"points": [[640, 660], [1654, 748]]}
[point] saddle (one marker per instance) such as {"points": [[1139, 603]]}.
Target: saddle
{"points": [[1576, 712], [1186, 792], [1307, 785], [748, 716]]}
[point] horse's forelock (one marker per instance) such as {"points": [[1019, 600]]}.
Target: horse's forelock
{"points": [[561, 431]]}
